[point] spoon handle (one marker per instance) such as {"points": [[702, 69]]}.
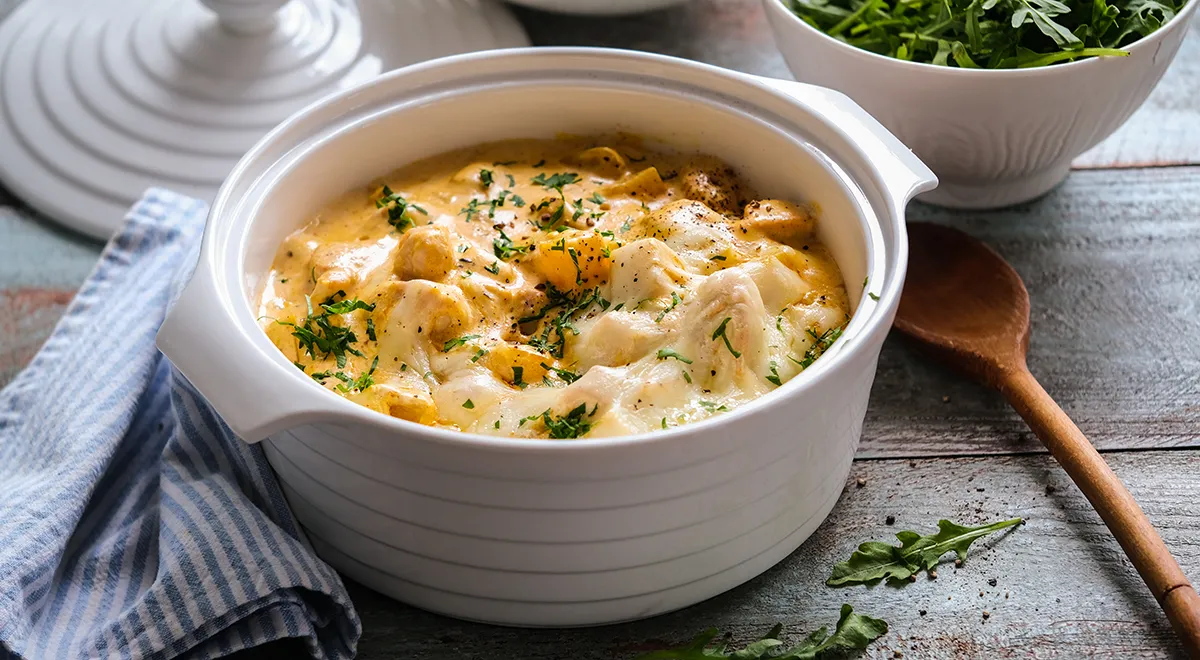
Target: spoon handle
{"points": [[1112, 501]]}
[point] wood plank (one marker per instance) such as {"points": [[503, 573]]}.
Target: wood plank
{"points": [[735, 34], [1063, 588], [1111, 264]]}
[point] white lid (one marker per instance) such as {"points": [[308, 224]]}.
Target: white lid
{"points": [[101, 99]]}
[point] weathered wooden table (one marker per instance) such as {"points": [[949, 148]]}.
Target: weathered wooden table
{"points": [[1112, 262]]}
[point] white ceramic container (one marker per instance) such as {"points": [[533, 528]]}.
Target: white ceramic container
{"points": [[540, 532], [994, 137], [597, 7]]}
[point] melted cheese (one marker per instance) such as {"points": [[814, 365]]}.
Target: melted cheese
{"points": [[555, 288]]}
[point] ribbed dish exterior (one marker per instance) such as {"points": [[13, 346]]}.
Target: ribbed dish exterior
{"points": [[556, 539]]}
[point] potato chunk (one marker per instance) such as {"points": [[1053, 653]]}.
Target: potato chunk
{"points": [[572, 259], [644, 185]]}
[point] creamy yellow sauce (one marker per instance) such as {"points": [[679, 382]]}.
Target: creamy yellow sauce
{"points": [[577, 287]]}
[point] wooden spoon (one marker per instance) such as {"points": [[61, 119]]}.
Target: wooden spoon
{"points": [[967, 306]]}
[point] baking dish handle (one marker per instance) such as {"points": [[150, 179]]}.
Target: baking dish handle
{"points": [[243, 386], [903, 175]]}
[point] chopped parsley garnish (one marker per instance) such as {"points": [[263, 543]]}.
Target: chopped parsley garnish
{"points": [[675, 300], [486, 178], [664, 353], [687, 377], [505, 163], [627, 226], [451, 344], [596, 198], [821, 343], [540, 163], [397, 209], [517, 200], [505, 249], [712, 407], [511, 181], [478, 354], [567, 376], [556, 181], [497, 424], [519, 377], [570, 425], [469, 404], [364, 381], [561, 246], [664, 422], [471, 209], [318, 334], [873, 296], [779, 323], [552, 339], [720, 332], [774, 375], [494, 269], [370, 328], [718, 257]]}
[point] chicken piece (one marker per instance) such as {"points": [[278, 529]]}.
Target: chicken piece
{"points": [[725, 333], [572, 259], [616, 338], [421, 316], [643, 186], [644, 270], [778, 285], [713, 184], [784, 222], [426, 253], [345, 266], [476, 386], [604, 161], [694, 231]]}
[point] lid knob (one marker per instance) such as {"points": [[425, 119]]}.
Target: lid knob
{"points": [[246, 17]]}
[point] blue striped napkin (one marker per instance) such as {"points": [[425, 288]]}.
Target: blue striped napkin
{"points": [[132, 522]]}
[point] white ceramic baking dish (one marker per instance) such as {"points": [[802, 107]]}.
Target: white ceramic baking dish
{"points": [[539, 532]]}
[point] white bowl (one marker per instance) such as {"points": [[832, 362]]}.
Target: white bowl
{"points": [[538, 532], [993, 137], [597, 7]]}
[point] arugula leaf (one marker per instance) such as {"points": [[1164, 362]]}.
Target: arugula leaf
{"points": [[992, 34], [875, 560], [853, 632]]}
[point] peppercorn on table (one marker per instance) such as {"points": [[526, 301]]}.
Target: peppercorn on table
{"points": [[1110, 263]]}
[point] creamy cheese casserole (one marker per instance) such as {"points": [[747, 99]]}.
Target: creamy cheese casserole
{"points": [[555, 289]]}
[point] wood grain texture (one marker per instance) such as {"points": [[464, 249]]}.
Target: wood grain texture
{"points": [[1063, 588], [967, 307], [1110, 261]]}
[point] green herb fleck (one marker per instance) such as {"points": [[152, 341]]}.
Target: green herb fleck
{"points": [[567, 376], [687, 377], [519, 377], [664, 353], [774, 375], [556, 181], [675, 300], [713, 407], [505, 249], [596, 198], [469, 404], [486, 178], [397, 209], [821, 343], [452, 344], [720, 332]]}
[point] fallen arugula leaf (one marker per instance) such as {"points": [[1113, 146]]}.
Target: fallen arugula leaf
{"points": [[876, 560], [853, 632], [989, 34]]}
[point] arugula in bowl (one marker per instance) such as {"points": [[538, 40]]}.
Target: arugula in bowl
{"points": [[988, 34]]}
